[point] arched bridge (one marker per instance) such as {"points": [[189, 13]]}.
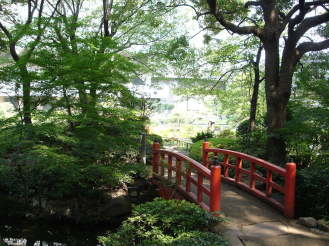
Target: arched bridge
{"points": [[247, 181], [201, 183]]}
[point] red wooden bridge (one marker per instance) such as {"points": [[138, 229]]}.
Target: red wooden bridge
{"points": [[201, 182]]}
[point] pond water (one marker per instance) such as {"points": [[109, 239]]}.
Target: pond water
{"points": [[28, 233]]}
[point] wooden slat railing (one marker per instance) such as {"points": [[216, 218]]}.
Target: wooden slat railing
{"points": [[176, 168], [247, 171]]}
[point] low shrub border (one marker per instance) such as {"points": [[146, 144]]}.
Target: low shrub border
{"points": [[166, 222]]}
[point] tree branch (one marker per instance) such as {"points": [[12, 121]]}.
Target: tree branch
{"points": [[253, 3], [294, 9], [310, 22], [311, 46], [244, 30]]}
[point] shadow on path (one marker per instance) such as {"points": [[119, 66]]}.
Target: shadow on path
{"points": [[251, 222]]}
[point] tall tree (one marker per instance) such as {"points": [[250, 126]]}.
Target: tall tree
{"points": [[24, 34], [254, 98], [282, 23]]}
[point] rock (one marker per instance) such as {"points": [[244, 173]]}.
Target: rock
{"points": [[308, 221], [323, 225]]}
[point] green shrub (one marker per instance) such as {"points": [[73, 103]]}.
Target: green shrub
{"points": [[154, 138], [242, 128], [46, 173], [165, 222], [222, 143], [198, 238], [312, 192], [202, 136], [227, 133], [254, 143]]}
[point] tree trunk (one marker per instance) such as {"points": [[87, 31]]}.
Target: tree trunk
{"points": [[26, 82], [276, 119], [68, 108], [276, 104], [83, 100], [254, 98]]}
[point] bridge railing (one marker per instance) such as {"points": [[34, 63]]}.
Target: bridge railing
{"points": [[257, 176], [200, 184]]}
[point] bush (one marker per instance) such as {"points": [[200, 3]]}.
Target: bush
{"points": [[198, 238], [312, 192], [165, 222], [202, 136], [242, 128], [254, 143], [223, 143], [227, 133]]}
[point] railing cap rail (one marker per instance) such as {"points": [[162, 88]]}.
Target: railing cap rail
{"points": [[253, 159], [205, 171]]}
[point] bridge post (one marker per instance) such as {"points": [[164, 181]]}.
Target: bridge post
{"points": [[155, 157], [205, 156], [290, 183], [215, 188]]}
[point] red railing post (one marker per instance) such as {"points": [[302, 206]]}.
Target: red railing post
{"points": [[205, 155], [215, 189], [155, 157], [289, 188], [238, 167]]}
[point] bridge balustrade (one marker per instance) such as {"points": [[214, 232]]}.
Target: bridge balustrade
{"points": [[256, 176], [200, 184]]}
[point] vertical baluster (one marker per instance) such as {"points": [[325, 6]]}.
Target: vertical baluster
{"points": [[225, 164], [200, 183], [252, 179], [238, 167], [205, 154], [162, 163], [178, 172], [155, 157], [169, 167], [269, 176], [188, 178]]}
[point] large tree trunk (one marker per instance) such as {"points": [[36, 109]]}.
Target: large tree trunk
{"points": [[276, 104]]}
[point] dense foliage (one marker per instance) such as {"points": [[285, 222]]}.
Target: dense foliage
{"points": [[165, 222], [74, 129], [312, 190], [204, 135], [222, 143]]}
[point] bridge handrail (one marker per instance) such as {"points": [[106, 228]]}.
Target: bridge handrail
{"points": [[288, 173], [214, 176], [247, 157]]}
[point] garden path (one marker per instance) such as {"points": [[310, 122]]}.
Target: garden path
{"points": [[251, 222]]}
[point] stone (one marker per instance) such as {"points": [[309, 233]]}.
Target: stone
{"points": [[308, 221]]}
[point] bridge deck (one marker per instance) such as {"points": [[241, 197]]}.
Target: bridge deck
{"points": [[251, 222]]}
